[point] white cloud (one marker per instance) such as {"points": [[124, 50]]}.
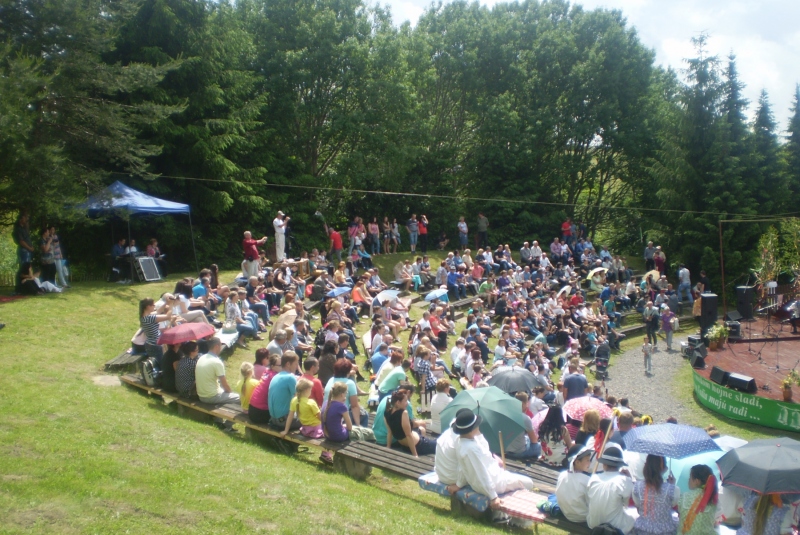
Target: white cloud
{"points": [[762, 34]]}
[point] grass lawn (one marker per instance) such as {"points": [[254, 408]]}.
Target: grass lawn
{"points": [[78, 457]]}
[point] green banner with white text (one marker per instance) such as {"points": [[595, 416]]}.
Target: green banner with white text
{"points": [[747, 407]]}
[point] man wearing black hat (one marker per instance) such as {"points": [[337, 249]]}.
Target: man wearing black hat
{"points": [[478, 468], [609, 492]]}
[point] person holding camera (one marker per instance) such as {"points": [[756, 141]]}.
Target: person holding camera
{"points": [[250, 264], [280, 222]]}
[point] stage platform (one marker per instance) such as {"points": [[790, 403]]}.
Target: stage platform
{"points": [[765, 354]]}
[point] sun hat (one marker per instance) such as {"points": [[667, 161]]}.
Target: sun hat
{"points": [[612, 456], [465, 421]]}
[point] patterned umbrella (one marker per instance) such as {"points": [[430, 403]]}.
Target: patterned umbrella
{"points": [[577, 407], [669, 440], [539, 417], [765, 466], [185, 332]]}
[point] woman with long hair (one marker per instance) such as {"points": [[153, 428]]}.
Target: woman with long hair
{"points": [[762, 514], [655, 499], [398, 426], [696, 507], [554, 437], [589, 427]]}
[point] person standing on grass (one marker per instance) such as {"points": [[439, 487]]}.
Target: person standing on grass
{"points": [[482, 236], [22, 237], [212, 385], [423, 233], [250, 264], [413, 232], [647, 351], [463, 232], [336, 244], [279, 224]]}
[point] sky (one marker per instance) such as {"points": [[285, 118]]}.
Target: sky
{"points": [[763, 34]]}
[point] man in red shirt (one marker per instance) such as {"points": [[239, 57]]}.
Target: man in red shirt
{"points": [[566, 231], [423, 234], [311, 367], [250, 264], [336, 245]]}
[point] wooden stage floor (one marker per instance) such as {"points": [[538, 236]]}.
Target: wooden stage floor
{"points": [[766, 355]]}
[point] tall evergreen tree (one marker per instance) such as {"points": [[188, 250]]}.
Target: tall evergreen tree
{"points": [[792, 146]]}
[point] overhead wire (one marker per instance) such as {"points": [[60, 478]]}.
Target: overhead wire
{"points": [[471, 198]]}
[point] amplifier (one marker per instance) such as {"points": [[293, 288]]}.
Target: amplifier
{"points": [[695, 341], [734, 329], [743, 383]]}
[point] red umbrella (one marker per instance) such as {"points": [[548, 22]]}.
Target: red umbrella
{"points": [[577, 407], [538, 418], [185, 332]]}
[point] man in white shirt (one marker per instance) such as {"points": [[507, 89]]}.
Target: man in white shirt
{"points": [[536, 251], [609, 493], [445, 464], [572, 485], [280, 223], [209, 376], [685, 284], [478, 468]]}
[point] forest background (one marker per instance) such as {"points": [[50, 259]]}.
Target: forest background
{"points": [[529, 112]]}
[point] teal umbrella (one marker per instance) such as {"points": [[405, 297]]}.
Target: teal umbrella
{"points": [[499, 412]]}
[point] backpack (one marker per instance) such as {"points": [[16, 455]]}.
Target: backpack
{"points": [[151, 375], [319, 341]]}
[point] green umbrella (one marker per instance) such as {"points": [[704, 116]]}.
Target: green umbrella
{"points": [[499, 411]]}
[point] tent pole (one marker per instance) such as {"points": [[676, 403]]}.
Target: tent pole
{"points": [[191, 229], [130, 253]]}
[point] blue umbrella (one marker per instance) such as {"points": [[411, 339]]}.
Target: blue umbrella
{"points": [[336, 292], [440, 294], [681, 467], [669, 440], [386, 295]]}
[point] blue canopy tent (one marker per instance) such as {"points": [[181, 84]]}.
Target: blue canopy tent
{"points": [[120, 198]]}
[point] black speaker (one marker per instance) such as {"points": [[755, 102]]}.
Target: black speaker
{"points": [[702, 351], [734, 329], [733, 315], [744, 301], [695, 341], [698, 361], [708, 314], [742, 383], [719, 376]]}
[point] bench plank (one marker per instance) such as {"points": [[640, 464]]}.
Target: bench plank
{"points": [[123, 361]]}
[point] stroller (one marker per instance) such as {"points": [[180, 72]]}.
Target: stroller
{"points": [[601, 358]]}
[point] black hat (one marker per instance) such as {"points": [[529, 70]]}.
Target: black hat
{"points": [[612, 456], [465, 421]]}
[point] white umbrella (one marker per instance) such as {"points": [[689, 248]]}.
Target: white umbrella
{"points": [[385, 295]]}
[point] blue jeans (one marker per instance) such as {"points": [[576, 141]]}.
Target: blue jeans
{"points": [[246, 329], [252, 318], [376, 243], [459, 290], [462, 238], [23, 255], [532, 451], [412, 238], [262, 310], [688, 289]]}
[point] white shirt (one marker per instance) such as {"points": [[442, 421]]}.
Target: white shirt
{"points": [[462, 227], [478, 468], [280, 226], [445, 463], [438, 403], [458, 355], [536, 251], [544, 262], [684, 276], [571, 495], [609, 493]]}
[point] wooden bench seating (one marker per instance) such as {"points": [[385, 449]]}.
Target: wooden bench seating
{"points": [[356, 459]]}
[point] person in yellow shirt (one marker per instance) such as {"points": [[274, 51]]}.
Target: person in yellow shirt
{"points": [[307, 411], [247, 385]]}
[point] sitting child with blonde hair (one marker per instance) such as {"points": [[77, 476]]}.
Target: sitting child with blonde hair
{"points": [[306, 409]]}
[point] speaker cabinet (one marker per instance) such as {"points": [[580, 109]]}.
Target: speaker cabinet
{"points": [[733, 315], [743, 383], [719, 376], [708, 314], [734, 329], [744, 301], [698, 361], [695, 341]]}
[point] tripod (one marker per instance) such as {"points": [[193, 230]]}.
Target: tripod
{"points": [[771, 332]]}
